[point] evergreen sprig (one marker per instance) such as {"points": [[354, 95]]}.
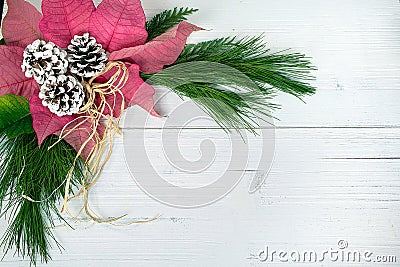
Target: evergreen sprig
{"points": [[227, 95], [287, 72], [39, 174], [167, 19], [246, 93], [230, 110]]}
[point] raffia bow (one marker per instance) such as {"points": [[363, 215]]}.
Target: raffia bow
{"points": [[97, 101]]}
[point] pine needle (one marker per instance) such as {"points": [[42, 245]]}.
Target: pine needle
{"points": [[287, 72], [225, 94], [249, 74], [165, 20], [31, 185]]}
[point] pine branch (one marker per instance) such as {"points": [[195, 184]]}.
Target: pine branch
{"points": [[249, 75], [39, 174], [165, 20], [228, 96], [287, 72], [230, 110]]}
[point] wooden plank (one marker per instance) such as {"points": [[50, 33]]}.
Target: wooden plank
{"points": [[325, 185], [328, 108], [336, 170]]}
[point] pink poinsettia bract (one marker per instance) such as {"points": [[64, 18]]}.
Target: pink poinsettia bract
{"points": [[118, 25]]}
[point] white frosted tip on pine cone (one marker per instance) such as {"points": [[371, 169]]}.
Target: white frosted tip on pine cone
{"points": [[63, 95], [42, 60], [86, 57]]}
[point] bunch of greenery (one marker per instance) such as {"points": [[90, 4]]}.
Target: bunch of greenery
{"points": [[242, 108], [244, 81], [32, 180]]}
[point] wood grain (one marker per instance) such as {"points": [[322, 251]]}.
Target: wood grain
{"points": [[336, 173]]}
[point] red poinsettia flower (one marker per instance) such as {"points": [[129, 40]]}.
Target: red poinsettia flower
{"points": [[118, 25]]}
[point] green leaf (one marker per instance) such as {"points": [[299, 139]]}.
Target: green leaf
{"points": [[2, 42], [165, 20], [15, 117]]}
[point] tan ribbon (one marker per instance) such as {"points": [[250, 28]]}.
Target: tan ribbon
{"points": [[94, 113]]}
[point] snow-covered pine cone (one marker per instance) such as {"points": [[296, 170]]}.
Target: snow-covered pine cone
{"points": [[42, 60], [86, 57], [63, 95]]}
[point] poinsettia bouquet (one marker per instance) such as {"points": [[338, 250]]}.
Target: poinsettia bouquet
{"points": [[67, 75]]}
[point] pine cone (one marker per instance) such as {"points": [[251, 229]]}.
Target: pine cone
{"points": [[62, 94], [42, 60], [86, 57]]}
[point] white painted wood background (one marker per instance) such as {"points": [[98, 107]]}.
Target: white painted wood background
{"points": [[336, 173]]}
